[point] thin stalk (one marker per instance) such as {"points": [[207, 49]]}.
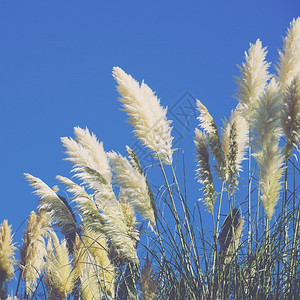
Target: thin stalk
{"points": [[296, 235], [249, 202], [18, 285], [204, 249], [267, 251], [285, 232], [257, 219], [216, 234], [219, 209]]}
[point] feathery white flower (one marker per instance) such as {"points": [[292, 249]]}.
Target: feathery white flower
{"points": [[209, 126], [146, 115], [118, 232], [267, 152], [89, 279], [7, 253], [234, 144], [271, 165], [242, 136], [59, 275], [51, 203], [102, 217], [133, 185], [267, 116], [85, 205], [91, 165], [289, 58], [87, 151], [96, 246], [253, 79], [33, 250], [204, 171], [291, 116]]}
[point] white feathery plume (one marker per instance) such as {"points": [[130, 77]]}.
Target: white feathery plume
{"points": [[33, 250], [133, 185], [89, 280], [289, 59], [95, 148], [7, 252], [146, 115], [59, 275], [290, 117], [208, 124], [85, 206], [234, 144], [119, 233], [267, 152], [95, 244], [87, 152], [241, 139], [91, 165], [107, 218], [51, 203], [204, 171], [267, 116], [253, 79]]}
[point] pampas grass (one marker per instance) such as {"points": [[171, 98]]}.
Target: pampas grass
{"points": [[7, 255], [289, 64], [110, 253], [146, 115], [33, 250]]}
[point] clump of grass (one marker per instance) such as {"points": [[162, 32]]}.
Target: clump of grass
{"points": [[136, 239]]}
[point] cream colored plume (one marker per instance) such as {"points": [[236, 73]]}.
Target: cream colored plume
{"points": [[146, 115], [234, 144], [291, 116], [133, 185], [51, 203], [204, 170], [208, 124], [7, 253], [267, 151], [33, 250], [59, 275], [242, 131], [87, 153], [85, 205], [289, 58], [253, 79], [96, 245]]}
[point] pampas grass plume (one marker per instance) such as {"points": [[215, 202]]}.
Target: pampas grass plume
{"points": [[7, 252], [204, 171], [253, 79], [289, 61], [60, 278], [291, 116], [209, 126], [33, 250], [146, 115], [133, 185]]}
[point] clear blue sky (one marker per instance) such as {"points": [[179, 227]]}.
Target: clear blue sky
{"points": [[56, 59]]}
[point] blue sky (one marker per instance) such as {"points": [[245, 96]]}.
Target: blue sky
{"points": [[56, 60]]}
